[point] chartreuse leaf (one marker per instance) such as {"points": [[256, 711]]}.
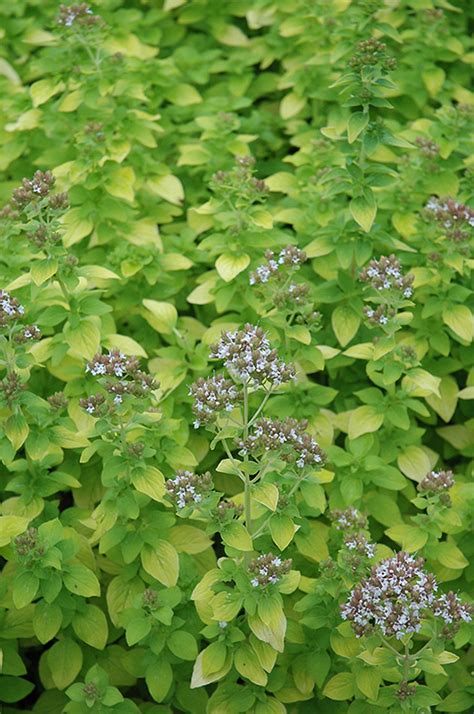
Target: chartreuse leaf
{"points": [[188, 539], [47, 620], [229, 265], [410, 538], [450, 555], [81, 581], [282, 530], [90, 625], [25, 588], [183, 645], [247, 665], [460, 320], [266, 494], [64, 662], [10, 527], [363, 210], [368, 680], [161, 561], [345, 323], [356, 124], [236, 535], [414, 463], [211, 664], [364, 420], [159, 678], [162, 316], [168, 187], [150, 481], [340, 687]]}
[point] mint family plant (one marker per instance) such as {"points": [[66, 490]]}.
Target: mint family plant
{"points": [[236, 356]]}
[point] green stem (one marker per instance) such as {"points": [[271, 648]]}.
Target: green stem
{"points": [[234, 462], [262, 405], [248, 506]]}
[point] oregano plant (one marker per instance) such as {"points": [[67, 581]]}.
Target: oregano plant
{"points": [[236, 356]]}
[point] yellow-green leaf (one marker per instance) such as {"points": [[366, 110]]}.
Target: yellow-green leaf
{"points": [[183, 95], [188, 539], [363, 210], [364, 420], [77, 226], [10, 527], [150, 481], [83, 340], [247, 665], [460, 320], [236, 536], [90, 625], [282, 530], [43, 90], [229, 265], [64, 662], [445, 404], [414, 463], [345, 323], [291, 105], [168, 187], [356, 124], [266, 494], [120, 183], [410, 538], [43, 270], [161, 561], [340, 687], [433, 79], [450, 555], [162, 316]]}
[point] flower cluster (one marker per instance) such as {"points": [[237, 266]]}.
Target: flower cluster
{"points": [[32, 189], [240, 182], [36, 189], [114, 364], [268, 570], [187, 487], [94, 405], [28, 544], [437, 481], [77, 14], [288, 437], [131, 379], [33, 197], [450, 608], [395, 598], [385, 274], [456, 218], [27, 333], [380, 315], [11, 386], [212, 396], [58, 401], [428, 148], [10, 309], [228, 508], [291, 256], [350, 519], [149, 600], [248, 356], [359, 545], [370, 53]]}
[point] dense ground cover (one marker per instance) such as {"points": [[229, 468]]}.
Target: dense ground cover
{"points": [[236, 360]]}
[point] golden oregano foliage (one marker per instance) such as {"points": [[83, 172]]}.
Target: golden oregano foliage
{"points": [[236, 360]]}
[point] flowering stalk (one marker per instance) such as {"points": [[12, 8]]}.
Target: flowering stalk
{"points": [[263, 443]]}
